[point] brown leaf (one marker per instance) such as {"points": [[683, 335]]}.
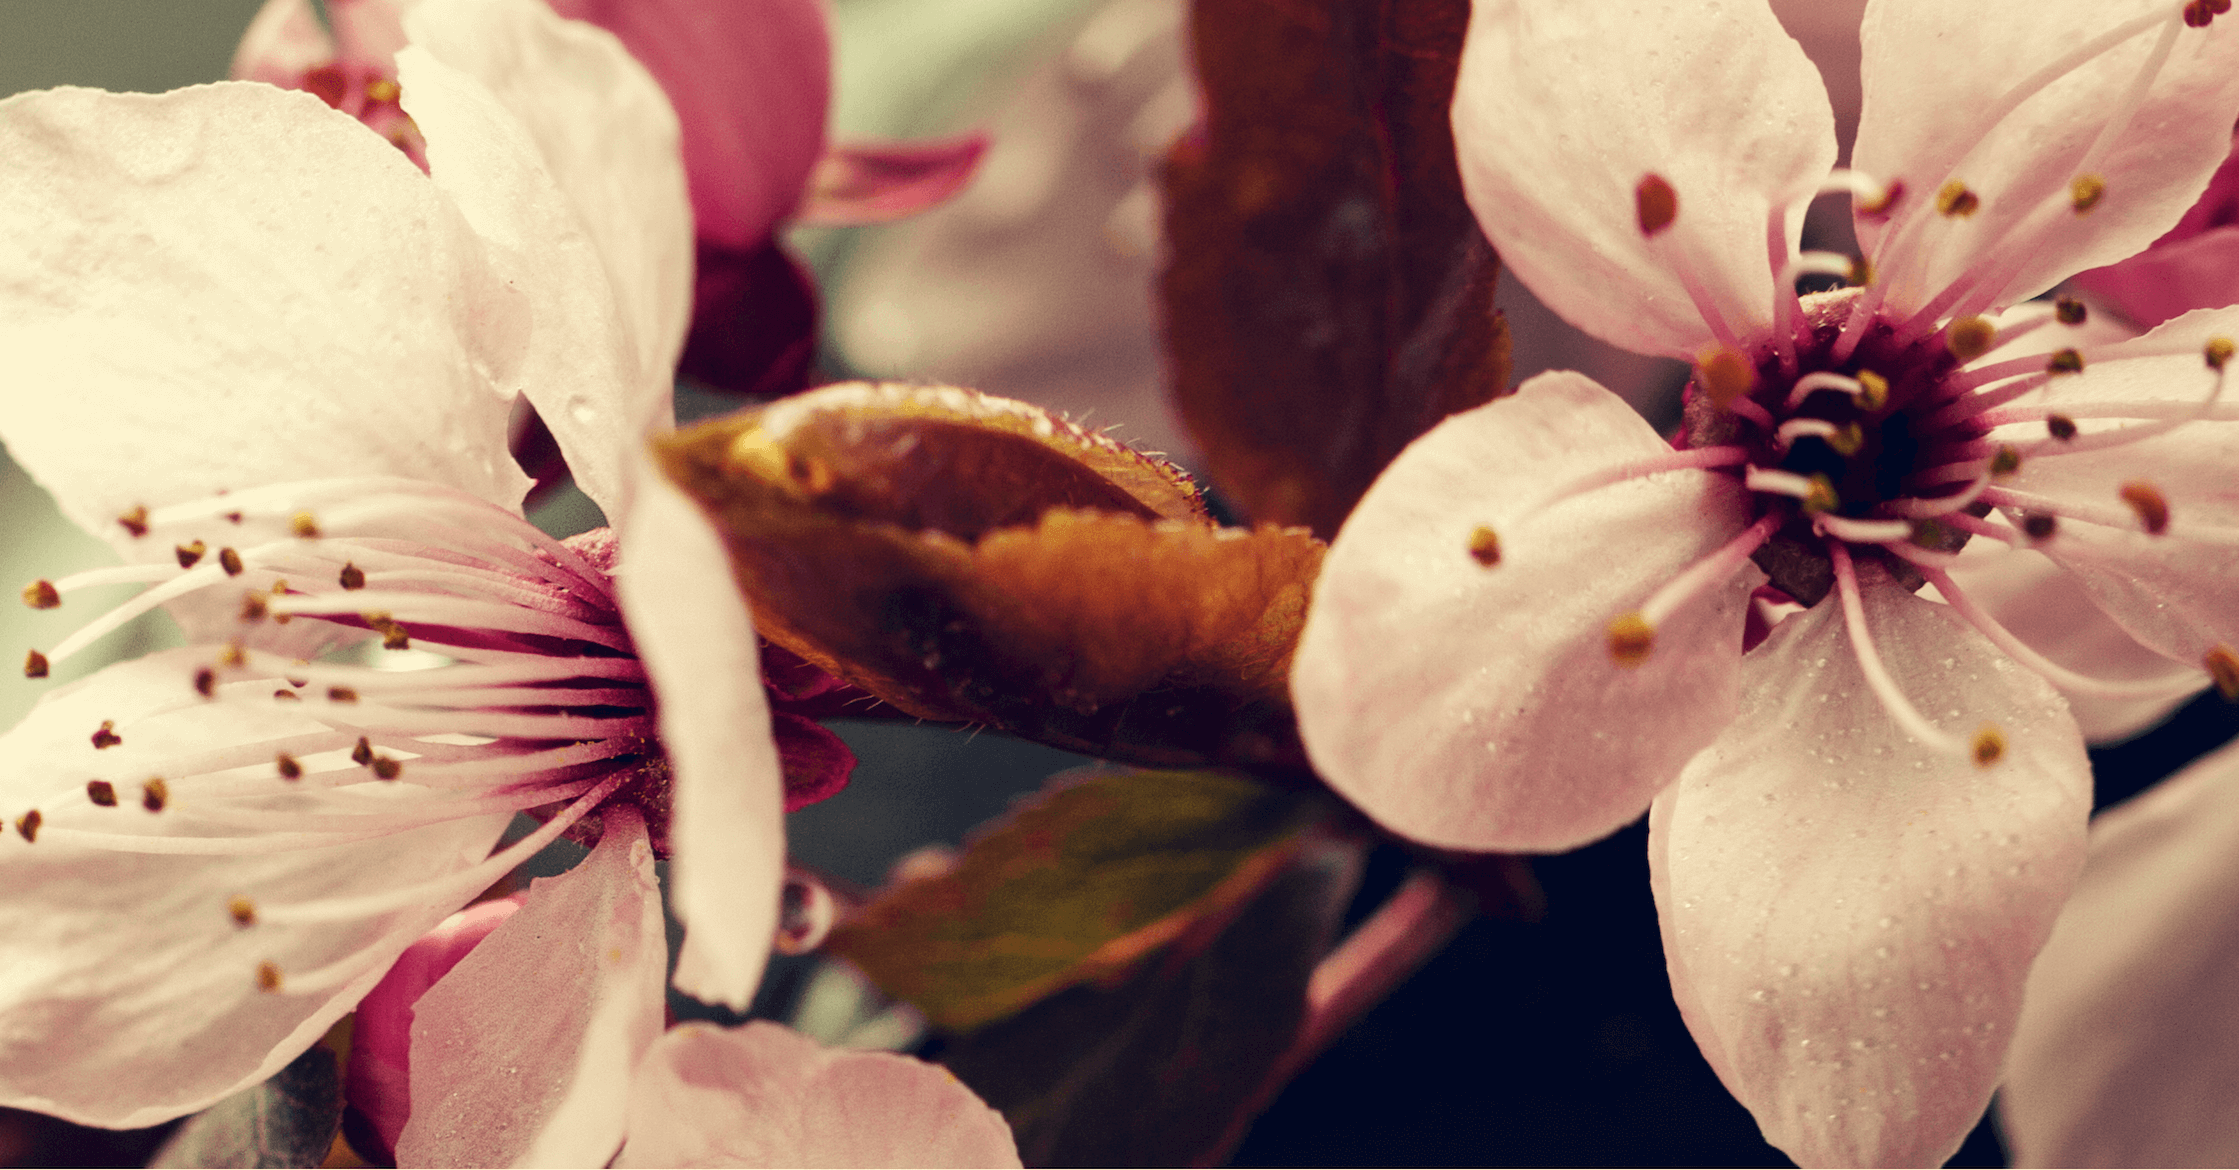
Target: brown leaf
{"points": [[972, 559], [1329, 296]]}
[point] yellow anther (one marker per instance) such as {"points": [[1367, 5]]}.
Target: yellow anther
{"points": [[289, 767], [105, 736], [1989, 745], [1655, 204], [387, 769], [2060, 427], [233, 656], [352, 577], [1631, 637], [1953, 200], [1969, 338], [362, 754], [2151, 506], [2071, 311], [135, 521], [2084, 192], [1484, 546], [2223, 666], [155, 794], [304, 525], [28, 825], [244, 911], [101, 793], [34, 665], [1725, 376], [1861, 271], [189, 554], [230, 561], [1873, 391], [2064, 361], [2006, 462], [380, 89], [254, 607], [341, 695], [2217, 352], [1822, 496], [1847, 439], [1928, 533], [41, 595], [268, 977]]}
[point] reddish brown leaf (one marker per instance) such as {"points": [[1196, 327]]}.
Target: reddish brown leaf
{"points": [[1329, 296]]}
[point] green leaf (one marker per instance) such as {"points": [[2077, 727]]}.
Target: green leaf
{"points": [[289, 1120], [1168, 1068], [1101, 870]]}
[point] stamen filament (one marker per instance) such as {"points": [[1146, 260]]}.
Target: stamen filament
{"points": [[1885, 688], [2168, 686]]}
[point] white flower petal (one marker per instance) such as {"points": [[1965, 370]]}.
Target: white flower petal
{"points": [[188, 309], [522, 1055], [1931, 71], [1563, 106], [727, 833], [608, 137], [1848, 916], [1477, 707], [763, 1095], [2129, 1035], [107, 958]]}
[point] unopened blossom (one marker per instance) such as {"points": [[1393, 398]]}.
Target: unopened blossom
{"points": [[272, 361], [751, 84], [1533, 627], [2129, 1035]]}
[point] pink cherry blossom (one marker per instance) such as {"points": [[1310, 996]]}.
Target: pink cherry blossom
{"points": [[272, 361], [1533, 626], [2129, 1033]]}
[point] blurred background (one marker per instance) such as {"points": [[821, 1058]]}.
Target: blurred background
{"points": [[1551, 1040]]}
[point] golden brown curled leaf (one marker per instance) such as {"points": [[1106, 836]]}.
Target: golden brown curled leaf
{"points": [[1328, 296], [982, 573]]}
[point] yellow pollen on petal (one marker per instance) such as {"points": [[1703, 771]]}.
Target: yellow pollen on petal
{"points": [[2064, 361], [2151, 506], [189, 554], [41, 595], [1873, 391], [1484, 546], [2071, 311], [2217, 352], [1954, 200], [101, 793], [2223, 666], [2006, 462], [1989, 745], [28, 825], [135, 521], [1725, 375], [155, 794], [1655, 204], [1631, 637], [2040, 525], [1969, 338], [2085, 191], [268, 977], [230, 561], [34, 665], [304, 525], [243, 911], [288, 766], [2060, 427]]}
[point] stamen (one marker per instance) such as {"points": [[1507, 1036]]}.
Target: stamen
{"points": [[1884, 687], [2223, 666], [2039, 526], [288, 766], [188, 554], [1954, 200], [2054, 673], [1484, 546], [2104, 516], [135, 521], [242, 910], [352, 577], [41, 595], [1863, 531], [1873, 391], [35, 665], [1726, 376], [268, 977], [1969, 338], [2071, 311], [28, 825], [1633, 635], [105, 736], [206, 682], [1989, 745], [2064, 361], [2085, 191], [1827, 380], [230, 561], [2060, 427], [155, 794], [1655, 204], [2151, 506], [1867, 197], [304, 526], [102, 793]]}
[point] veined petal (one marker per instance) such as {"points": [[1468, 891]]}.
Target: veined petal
{"points": [[1477, 706], [2048, 608], [608, 138], [727, 833], [187, 309], [1563, 107], [764, 1095], [522, 1055], [2129, 1034], [1933, 72], [876, 183], [583, 368], [751, 84], [109, 956], [379, 1081], [284, 40], [2170, 279], [1848, 915], [2176, 594]]}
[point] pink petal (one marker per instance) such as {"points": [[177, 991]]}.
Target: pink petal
{"points": [[284, 40], [1478, 708], [561, 151], [1562, 108], [200, 311], [750, 82], [727, 832], [369, 32], [379, 1083], [754, 321], [1847, 915], [866, 184], [2048, 608], [2177, 595], [763, 1095], [130, 993], [522, 1055], [2129, 1036], [2171, 279], [1931, 70]]}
